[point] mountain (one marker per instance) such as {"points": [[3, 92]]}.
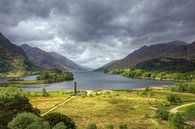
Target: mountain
{"points": [[107, 65], [49, 60], [13, 58], [65, 61], [172, 50]]}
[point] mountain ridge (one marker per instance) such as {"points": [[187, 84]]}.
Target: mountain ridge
{"points": [[13, 58], [50, 60], [173, 49]]}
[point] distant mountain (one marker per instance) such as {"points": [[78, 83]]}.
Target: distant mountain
{"points": [[65, 61], [49, 60], [13, 59], [107, 65], [171, 50]]}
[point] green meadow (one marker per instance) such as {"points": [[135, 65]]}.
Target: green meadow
{"points": [[134, 108]]}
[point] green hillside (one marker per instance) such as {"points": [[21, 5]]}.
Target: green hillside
{"points": [[167, 64], [13, 60]]}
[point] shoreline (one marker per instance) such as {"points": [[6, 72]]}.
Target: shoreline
{"points": [[91, 90]]}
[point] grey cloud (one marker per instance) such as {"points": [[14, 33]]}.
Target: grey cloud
{"points": [[98, 30]]}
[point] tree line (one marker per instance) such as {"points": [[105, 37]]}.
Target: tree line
{"points": [[54, 75], [154, 74]]}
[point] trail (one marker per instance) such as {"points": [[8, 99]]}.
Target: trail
{"points": [[175, 109], [60, 104]]}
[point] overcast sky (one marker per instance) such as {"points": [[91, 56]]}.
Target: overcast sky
{"points": [[95, 32]]}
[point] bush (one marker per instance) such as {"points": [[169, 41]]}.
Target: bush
{"points": [[12, 102], [92, 126], [162, 113], [123, 126], [110, 126], [182, 87], [28, 121], [191, 88], [174, 99], [146, 92], [190, 113], [59, 125], [177, 120], [54, 118], [184, 119], [45, 93]]}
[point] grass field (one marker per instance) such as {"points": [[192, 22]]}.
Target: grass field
{"points": [[28, 82], [130, 107], [45, 103]]}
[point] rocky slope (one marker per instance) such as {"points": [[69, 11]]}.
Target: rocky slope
{"points": [[49, 60], [13, 59]]}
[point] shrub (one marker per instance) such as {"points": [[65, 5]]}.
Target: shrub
{"points": [[12, 102], [174, 99], [182, 87], [92, 126], [146, 92], [123, 126], [110, 126], [177, 120], [162, 113], [191, 88], [185, 119], [44, 93], [54, 118], [28, 121], [190, 113], [59, 125]]}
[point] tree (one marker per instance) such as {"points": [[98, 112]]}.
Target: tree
{"points": [[54, 75], [92, 126], [123, 126], [185, 119], [190, 113], [59, 125], [12, 102], [173, 98], [191, 88], [162, 113], [44, 93], [182, 87], [28, 121], [177, 120], [147, 92], [54, 118]]}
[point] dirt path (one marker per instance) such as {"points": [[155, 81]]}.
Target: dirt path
{"points": [[175, 109], [60, 104]]}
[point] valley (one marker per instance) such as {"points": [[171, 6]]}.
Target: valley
{"points": [[140, 91], [97, 64]]}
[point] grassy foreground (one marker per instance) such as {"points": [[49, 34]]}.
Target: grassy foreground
{"points": [[103, 107]]}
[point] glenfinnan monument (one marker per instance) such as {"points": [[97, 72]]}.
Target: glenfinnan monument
{"points": [[75, 88]]}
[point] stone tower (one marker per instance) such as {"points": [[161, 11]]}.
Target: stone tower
{"points": [[75, 88]]}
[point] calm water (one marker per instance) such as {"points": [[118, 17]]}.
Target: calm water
{"points": [[97, 80]]}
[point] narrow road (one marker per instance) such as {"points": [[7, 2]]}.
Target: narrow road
{"points": [[60, 104], [175, 109]]}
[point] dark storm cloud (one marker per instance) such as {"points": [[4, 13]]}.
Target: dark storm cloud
{"points": [[94, 32]]}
